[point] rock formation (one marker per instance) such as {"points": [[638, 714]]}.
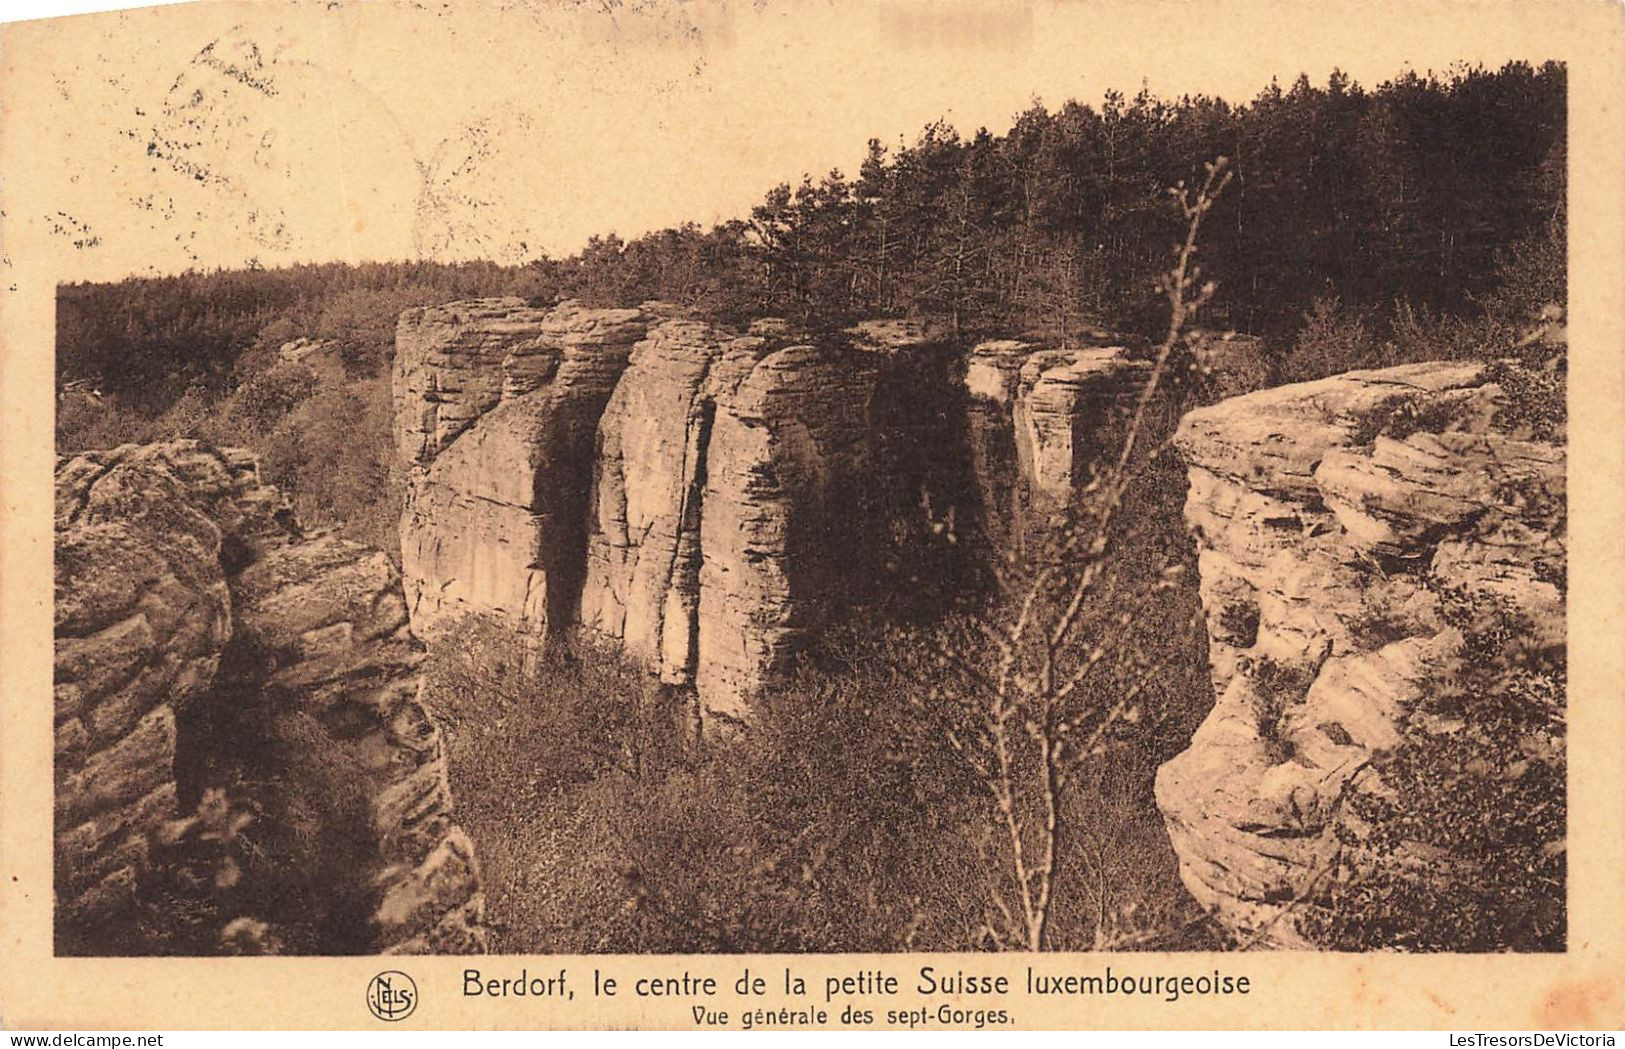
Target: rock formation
{"points": [[650, 483], [324, 357], [1040, 420], [1330, 518], [743, 484], [496, 409], [188, 598], [728, 473], [784, 534]]}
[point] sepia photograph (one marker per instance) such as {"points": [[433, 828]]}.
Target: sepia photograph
{"points": [[666, 479]]}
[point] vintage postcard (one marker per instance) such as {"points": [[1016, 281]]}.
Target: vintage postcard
{"points": [[788, 514]]}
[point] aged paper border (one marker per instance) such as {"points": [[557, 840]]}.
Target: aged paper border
{"points": [[1584, 988]]}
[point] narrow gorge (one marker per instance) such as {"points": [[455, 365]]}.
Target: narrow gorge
{"points": [[712, 502]]}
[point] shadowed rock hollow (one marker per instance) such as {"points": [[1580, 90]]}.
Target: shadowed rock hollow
{"points": [[192, 617]]}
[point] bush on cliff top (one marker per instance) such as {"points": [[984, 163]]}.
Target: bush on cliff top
{"points": [[1465, 849]]}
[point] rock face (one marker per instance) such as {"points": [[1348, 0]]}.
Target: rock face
{"points": [[142, 613], [170, 557], [496, 409], [1039, 419], [650, 481], [325, 357], [783, 533], [703, 496], [729, 471], [1329, 517]]}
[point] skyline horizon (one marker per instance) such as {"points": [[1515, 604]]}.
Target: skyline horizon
{"points": [[234, 165]]}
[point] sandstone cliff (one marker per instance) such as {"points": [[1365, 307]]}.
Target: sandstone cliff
{"points": [[1041, 421], [703, 496], [496, 409], [650, 480], [785, 533], [189, 601], [1332, 519], [741, 485]]}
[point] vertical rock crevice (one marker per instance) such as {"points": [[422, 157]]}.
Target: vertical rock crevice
{"points": [[206, 646], [497, 405], [1040, 421]]}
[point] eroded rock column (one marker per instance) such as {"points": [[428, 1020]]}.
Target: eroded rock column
{"points": [[650, 474], [786, 528], [190, 606], [731, 504], [1040, 422], [497, 405]]}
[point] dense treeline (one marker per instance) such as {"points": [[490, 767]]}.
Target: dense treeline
{"points": [[1418, 191], [147, 340], [1424, 218], [1405, 193]]}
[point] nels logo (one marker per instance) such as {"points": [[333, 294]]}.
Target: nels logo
{"points": [[392, 995]]}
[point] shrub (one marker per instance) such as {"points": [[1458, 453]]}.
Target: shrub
{"points": [[304, 854], [333, 457], [1463, 846], [1333, 339], [836, 821], [1534, 389], [266, 397]]}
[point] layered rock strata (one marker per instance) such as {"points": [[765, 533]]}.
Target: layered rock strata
{"points": [[170, 555], [784, 535], [650, 479], [742, 485], [1040, 421], [729, 504], [1330, 517]]}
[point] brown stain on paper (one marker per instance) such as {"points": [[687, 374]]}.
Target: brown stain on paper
{"points": [[1584, 1005]]}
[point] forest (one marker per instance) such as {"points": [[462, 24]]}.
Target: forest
{"points": [[1420, 191]]}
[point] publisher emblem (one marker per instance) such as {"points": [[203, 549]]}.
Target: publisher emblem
{"points": [[392, 995]]}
